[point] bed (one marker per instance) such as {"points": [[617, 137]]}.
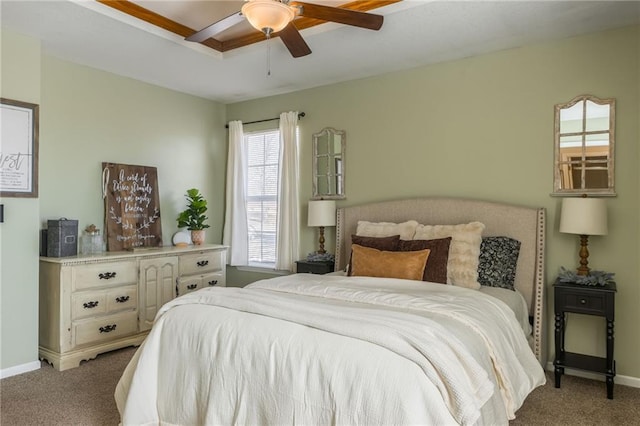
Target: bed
{"points": [[344, 348]]}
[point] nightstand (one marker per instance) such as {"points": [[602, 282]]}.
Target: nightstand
{"points": [[307, 266], [589, 300]]}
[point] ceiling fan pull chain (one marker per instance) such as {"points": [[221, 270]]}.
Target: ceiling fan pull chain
{"points": [[267, 32], [268, 56]]}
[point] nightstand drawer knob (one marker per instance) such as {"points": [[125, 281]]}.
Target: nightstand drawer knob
{"points": [[583, 301]]}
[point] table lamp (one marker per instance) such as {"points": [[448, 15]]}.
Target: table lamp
{"points": [[322, 213], [584, 217]]}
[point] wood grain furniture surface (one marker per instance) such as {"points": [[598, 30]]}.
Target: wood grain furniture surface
{"points": [[97, 303]]}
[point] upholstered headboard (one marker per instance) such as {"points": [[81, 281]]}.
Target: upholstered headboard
{"points": [[525, 224]]}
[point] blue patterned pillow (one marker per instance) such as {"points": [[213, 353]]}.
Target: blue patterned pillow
{"points": [[498, 260]]}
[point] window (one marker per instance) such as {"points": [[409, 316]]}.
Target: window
{"points": [[262, 220], [263, 154]]}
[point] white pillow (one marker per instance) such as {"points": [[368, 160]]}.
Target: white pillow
{"points": [[406, 230], [464, 251]]}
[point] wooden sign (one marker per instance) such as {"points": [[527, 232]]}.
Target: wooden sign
{"points": [[132, 206]]}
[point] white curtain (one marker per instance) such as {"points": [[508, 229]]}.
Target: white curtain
{"points": [[235, 234], [287, 239]]}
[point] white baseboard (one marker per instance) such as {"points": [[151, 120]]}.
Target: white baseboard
{"points": [[19, 369], [634, 382]]}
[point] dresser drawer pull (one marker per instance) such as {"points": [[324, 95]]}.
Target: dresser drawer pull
{"points": [[107, 275], [583, 301], [122, 299], [202, 263], [213, 282], [192, 286], [90, 305], [108, 328]]}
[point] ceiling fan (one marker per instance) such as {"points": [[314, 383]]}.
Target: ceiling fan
{"points": [[275, 17]]}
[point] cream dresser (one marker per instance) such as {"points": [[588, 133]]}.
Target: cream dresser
{"points": [[97, 303]]}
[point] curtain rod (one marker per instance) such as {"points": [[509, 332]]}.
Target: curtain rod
{"points": [[300, 115]]}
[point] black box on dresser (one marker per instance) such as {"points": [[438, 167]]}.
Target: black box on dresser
{"points": [[62, 237]]}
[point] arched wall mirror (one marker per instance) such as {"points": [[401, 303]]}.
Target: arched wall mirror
{"points": [[328, 164], [584, 147]]}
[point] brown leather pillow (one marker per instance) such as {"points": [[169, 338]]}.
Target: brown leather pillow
{"points": [[380, 243], [436, 270], [370, 262]]}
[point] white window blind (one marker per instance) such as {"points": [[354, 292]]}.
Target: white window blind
{"points": [[263, 154]]}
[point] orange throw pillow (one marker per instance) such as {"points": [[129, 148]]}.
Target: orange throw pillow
{"points": [[370, 262]]}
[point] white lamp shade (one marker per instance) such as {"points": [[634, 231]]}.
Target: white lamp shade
{"points": [[322, 213], [584, 216], [268, 14]]}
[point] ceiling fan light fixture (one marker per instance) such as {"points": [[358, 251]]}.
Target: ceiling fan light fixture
{"points": [[268, 16]]}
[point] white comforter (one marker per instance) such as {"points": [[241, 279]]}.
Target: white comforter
{"points": [[313, 349]]}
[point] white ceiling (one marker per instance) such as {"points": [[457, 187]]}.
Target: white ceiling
{"points": [[415, 33]]}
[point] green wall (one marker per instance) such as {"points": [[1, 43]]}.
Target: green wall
{"points": [[479, 127], [20, 81], [87, 117], [91, 116], [482, 127]]}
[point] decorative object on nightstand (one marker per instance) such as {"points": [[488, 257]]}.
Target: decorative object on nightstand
{"points": [[583, 216], [590, 300], [322, 213], [595, 278]]}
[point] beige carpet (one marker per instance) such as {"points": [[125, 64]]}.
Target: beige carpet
{"points": [[79, 396], [84, 396]]}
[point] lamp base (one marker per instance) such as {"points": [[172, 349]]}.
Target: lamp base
{"points": [[584, 255], [321, 249]]}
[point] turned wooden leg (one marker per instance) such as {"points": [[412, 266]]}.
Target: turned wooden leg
{"points": [[610, 362], [559, 334]]}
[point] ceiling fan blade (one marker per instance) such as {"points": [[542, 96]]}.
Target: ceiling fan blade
{"points": [[292, 38], [342, 16], [216, 28]]}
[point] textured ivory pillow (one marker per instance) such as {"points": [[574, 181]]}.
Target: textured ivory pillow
{"points": [[387, 229], [464, 251], [369, 262], [436, 269]]}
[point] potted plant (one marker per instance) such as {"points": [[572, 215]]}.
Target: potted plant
{"points": [[193, 217]]}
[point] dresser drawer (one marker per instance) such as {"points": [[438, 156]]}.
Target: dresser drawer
{"points": [[195, 282], [103, 274], [211, 280], [122, 298], [88, 304], [582, 302], [200, 263], [104, 328], [188, 284], [98, 302]]}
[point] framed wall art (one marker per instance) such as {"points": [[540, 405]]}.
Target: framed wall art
{"points": [[18, 149]]}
